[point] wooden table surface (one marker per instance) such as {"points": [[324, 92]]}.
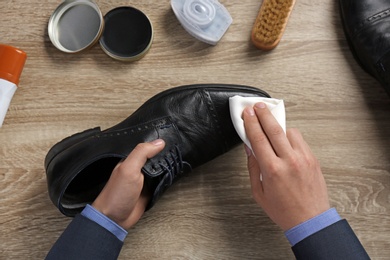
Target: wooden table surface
{"points": [[343, 113]]}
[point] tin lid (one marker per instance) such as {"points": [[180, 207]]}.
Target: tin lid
{"points": [[75, 25], [128, 34], [11, 63]]}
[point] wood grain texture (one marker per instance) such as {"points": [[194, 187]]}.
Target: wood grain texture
{"points": [[343, 113]]}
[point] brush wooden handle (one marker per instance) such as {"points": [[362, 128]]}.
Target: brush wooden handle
{"points": [[271, 23]]}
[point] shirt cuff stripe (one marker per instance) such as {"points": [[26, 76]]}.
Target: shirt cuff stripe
{"points": [[311, 226], [102, 220]]}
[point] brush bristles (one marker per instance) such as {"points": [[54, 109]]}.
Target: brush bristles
{"points": [[271, 22]]}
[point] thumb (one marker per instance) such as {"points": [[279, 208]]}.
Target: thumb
{"points": [[143, 151]]}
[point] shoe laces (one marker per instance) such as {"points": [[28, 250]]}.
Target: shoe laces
{"points": [[174, 165]]}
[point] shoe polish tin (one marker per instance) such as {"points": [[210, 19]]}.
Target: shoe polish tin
{"points": [[124, 33], [75, 25], [128, 34]]}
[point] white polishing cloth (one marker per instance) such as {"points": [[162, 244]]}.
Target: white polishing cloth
{"points": [[237, 105]]}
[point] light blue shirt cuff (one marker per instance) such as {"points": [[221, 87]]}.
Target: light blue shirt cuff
{"points": [[311, 226], [101, 219]]}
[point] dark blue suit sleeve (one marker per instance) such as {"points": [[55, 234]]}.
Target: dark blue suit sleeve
{"points": [[85, 239], [337, 241]]}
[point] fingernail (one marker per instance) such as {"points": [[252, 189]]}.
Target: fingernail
{"points": [[250, 111], [248, 151], [157, 142], [260, 105]]}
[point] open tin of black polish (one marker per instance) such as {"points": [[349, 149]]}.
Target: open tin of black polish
{"points": [[125, 33], [128, 34]]}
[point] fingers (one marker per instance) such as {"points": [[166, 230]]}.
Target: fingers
{"points": [[259, 141], [138, 209], [124, 197], [296, 140], [143, 151], [273, 130]]}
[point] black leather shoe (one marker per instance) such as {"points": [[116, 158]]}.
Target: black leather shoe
{"points": [[367, 28], [193, 120]]}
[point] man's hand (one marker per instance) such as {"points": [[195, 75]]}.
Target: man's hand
{"points": [[285, 176], [124, 199]]}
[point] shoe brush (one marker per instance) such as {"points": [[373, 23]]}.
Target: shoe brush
{"points": [[271, 23]]}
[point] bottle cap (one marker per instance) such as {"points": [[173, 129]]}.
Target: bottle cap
{"points": [[11, 63], [206, 20]]}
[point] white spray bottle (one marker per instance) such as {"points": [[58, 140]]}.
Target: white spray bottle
{"points": [[11, 65]]}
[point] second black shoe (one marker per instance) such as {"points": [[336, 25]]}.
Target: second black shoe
{"points": [[193, 120], [367, 28]]}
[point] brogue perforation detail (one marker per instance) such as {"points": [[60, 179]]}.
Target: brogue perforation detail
{"points": [[161, 124], [369, 20]]}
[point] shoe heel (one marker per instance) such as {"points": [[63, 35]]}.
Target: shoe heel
{"points": [[68, 142]]}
